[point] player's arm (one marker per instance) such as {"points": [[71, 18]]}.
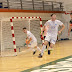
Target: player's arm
{"points": [[63, 26], [70, 27]]}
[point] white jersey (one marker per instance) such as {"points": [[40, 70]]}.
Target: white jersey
{"points": [[30, 35], [53, 27]]}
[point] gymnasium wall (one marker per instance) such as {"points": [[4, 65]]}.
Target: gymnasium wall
{"points": [[45, 16], [66, 3]]}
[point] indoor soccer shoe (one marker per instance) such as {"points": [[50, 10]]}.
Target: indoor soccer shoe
{"points": [[40, 56], [34, 52], [48, 52]]}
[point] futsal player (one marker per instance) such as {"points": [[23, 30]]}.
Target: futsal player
{"points": [[31, 40], [70, 26], [51, 36]]}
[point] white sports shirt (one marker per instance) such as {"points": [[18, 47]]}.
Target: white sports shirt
{"points": [[30, 35], [53, 27]]}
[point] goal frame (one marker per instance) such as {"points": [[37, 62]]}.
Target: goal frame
{"points": [[12, 28]]}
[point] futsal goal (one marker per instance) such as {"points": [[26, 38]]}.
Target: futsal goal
{"points": [[12, 35]]}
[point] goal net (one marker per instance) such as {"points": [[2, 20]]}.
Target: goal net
{"points": [[12, 35]]}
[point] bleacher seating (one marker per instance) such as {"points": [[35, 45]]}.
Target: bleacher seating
{"points": [[31, 5]]}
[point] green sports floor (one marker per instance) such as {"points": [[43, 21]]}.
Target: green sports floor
{"points": [[60, 65]]}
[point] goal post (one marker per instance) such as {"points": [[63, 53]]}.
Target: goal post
{"points": [[14, 26]]}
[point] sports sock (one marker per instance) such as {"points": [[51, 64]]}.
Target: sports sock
{"points": [[43, 48]]}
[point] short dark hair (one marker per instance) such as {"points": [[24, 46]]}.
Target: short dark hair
{"points": [[70, 13], [24, 28], [52, 14]]}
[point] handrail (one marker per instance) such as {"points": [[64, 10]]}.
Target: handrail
{"points": [[29, 11]]}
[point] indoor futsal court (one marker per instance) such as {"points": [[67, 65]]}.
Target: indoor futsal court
{"points": [[35, 35]]}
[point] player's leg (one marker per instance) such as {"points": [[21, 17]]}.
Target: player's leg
{"points": [[43, 48], [49, 43], [52, 43], [36, 46], [32, 48], [50, 48], [47, 39], [46, 45]]}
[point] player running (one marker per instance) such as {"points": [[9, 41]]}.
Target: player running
{"points": [[52, 32]]}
